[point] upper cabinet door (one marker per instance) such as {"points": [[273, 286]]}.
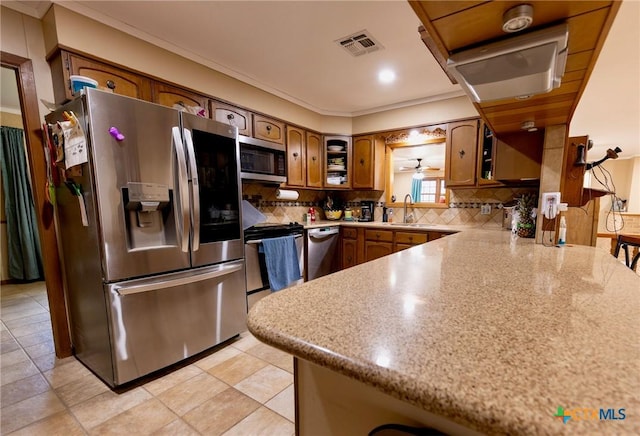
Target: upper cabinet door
{"points": [[314, 160], [368, 162], [363, 156], [108, 77], [170, 96], [268, 129], [227, 114], [462, 146], [295, 156]]}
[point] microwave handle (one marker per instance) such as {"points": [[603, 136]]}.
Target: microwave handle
{"points": [[195, 189], [183, 220]]}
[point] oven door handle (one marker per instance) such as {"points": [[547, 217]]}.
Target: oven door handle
{"points": [[259, 241]]}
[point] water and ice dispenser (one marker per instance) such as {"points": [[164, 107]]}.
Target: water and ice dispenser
{"points": [[150, 219]]}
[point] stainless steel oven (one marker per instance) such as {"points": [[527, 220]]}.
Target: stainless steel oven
{"points": [[256, 270], [262, 160]]}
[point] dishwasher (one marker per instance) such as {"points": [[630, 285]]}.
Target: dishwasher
{"points": [[322, 251]]}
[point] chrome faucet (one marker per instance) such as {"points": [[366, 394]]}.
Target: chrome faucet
{"points": [[405, 218]]}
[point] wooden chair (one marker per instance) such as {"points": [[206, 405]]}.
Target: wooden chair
{"points": [[624, 242]]}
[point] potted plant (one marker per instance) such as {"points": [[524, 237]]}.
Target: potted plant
{"points": [[526, 224]]}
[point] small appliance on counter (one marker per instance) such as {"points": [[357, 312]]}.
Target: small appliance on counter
{"points": [[366, 210]]}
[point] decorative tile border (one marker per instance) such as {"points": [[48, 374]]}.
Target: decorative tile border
{"points": [[475, 205]]}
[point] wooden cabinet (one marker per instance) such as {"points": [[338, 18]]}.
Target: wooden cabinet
{"points": [[64, 64], [268, 129], [228, 114], [518, 155], [462, 145], [337, 150], [377, 243], [296, 155], [368, 162], [170, 96], [433, 235], [349, 247], [362, 244], [476, 158], [314, 160], [403, 240], [304, 158]]}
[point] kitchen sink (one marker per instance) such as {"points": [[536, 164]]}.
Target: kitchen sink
{"points": [[411, 225]]}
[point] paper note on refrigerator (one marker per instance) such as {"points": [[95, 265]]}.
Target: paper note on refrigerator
{"points": [[75, 143]]}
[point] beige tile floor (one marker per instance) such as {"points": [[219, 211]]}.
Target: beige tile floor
{"points": [[244, 388]]}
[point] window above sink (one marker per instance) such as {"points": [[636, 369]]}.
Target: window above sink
{"points": [[416, 166]]}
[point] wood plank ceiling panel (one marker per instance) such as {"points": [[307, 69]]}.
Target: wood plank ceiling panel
{"points": [[453, 26], [484, 22]]}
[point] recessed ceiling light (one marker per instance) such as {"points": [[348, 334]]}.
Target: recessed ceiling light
{"points": [[386, 76]]}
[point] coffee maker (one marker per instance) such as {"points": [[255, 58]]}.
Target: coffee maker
{"points": [[366, 210]]}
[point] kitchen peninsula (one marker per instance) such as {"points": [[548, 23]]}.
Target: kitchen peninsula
{"points": [[475, 332]]}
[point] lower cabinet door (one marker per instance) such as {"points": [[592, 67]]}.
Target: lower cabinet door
{"points": [[349, 250], [374, 250]]}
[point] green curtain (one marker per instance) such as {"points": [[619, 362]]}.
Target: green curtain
{"points": [[24, 255]]}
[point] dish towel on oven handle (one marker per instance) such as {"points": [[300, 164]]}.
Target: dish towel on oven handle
{"points": [[281, 258]]}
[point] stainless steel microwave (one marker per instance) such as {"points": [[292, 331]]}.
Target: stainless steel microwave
{"points": [[262, 160]]}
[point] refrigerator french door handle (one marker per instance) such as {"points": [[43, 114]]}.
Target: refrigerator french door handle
{"points": [[195, 189], [183, 186], [156, 285]]}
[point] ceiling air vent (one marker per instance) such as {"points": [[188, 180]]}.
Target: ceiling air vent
{"points": [[360, 43]]}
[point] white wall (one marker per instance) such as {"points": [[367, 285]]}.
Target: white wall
{"points": [[420, 115], [623, 175], [22, 35]]}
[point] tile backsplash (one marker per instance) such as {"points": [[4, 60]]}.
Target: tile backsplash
{"points": [[464, 205]]}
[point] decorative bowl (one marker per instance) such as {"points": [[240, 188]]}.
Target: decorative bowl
{"points": [[333, 214]]}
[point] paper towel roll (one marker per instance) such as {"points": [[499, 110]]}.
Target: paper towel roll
{"points": [[286, 194]]}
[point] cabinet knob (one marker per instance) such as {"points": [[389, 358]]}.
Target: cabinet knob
{"points": [[361, 161], [410, 238], [295, 155], [269, 129], [230, 117], [378, 235], [461, 153], [111, 84], [313, 158]]}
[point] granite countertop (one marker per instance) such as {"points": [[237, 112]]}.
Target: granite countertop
{"points": [[480, 327]]}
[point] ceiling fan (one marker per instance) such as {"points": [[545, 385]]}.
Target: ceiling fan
{"points": [[419, 167]]}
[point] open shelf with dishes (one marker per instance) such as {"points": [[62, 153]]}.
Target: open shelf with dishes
{"points": [[338, 157]]}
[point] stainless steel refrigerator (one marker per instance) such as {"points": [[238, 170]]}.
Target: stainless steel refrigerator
{"points": [[154, 270]]}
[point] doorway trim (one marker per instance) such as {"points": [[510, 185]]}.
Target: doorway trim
{"points": [[44, 210]]}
